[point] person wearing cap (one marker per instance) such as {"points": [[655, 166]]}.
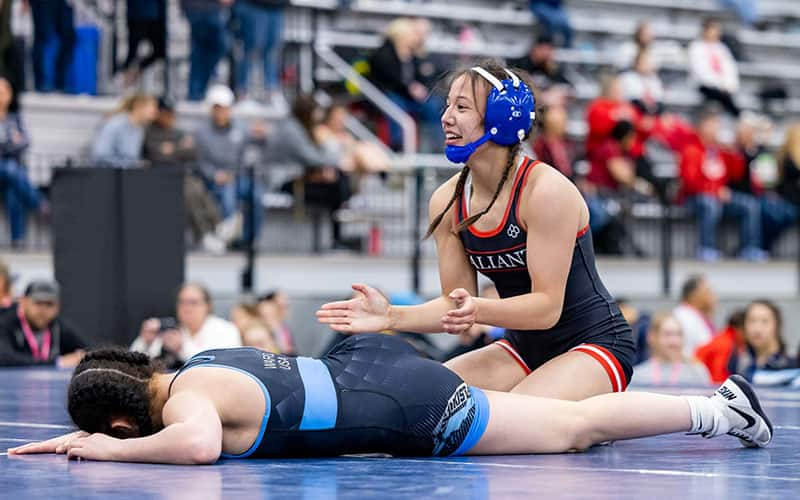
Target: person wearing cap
{"points": [[221, 142], [32, 333], [119, 142]]}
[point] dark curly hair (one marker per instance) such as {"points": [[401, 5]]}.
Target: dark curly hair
{"points": [[110, 383]]}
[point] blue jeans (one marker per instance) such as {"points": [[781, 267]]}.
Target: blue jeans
{"points": [[427, 113], [745, 9], [599, 217], [20, 194], [208, 45], [554, 21], [53, 43], [744, 207], [229, 195], [260, 30], [777, 215]]}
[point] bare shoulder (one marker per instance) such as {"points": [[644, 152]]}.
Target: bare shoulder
{"points": [[550, 193]]}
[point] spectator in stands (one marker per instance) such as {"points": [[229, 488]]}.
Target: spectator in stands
{"points": [[6, 297], [221, 142], [33, 333], [639, 320], [21, 196], [197, 329], [254, 331], [641, 85], [324, 183], [705, 167], [552, 145], [554, 19], [725, 345], [613, 165], [53, 27], [603, 113], [757, 175], [166, 145], [746, 10], [273, 307], [661, 51], [147, 21], [713, 68], [695, 313], [552, 85], [394, 69], [667, 365], [120, 139], [357, 157], [208, 38], [765, 348], [789, 166], [260, 30]]}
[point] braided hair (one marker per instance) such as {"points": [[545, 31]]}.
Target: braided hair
{"points": [[109, 383], [496, 69]]}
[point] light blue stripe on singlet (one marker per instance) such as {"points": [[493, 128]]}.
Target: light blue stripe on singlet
{"points": [[478, 426], [321, 406], [267, 403]]}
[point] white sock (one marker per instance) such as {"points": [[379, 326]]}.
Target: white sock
{"points": [[707, 419]]}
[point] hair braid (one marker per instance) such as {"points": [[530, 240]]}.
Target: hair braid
{"points": [[458, 191], [512, 154]]}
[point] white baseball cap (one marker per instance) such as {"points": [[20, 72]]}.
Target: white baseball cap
{"points": [[220, 95]]}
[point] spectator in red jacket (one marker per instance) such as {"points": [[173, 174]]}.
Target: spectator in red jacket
{"points": [[705, 168], [725, 345]]}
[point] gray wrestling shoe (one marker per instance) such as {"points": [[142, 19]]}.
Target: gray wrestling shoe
{"points": [[744, 417]]}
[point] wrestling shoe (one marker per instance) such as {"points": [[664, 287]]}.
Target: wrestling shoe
{"points": [[743, 416]]}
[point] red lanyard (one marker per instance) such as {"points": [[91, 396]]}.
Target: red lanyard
{"points": [[44, 355]]}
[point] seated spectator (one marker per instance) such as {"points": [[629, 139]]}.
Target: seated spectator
{"points": [[757, 175], [120, 139], [746, 10], [727, 344], [661, 51], [6, 298], [273, 307], [705, 167], [220, 142], [695, 313], [356, 157], [21, 196], [165, 145], [642, 87], [608, 109], [553, 18], [552, 145], [395, 70], [323, 183], [33, 333], [789, 167], [667, 365], [553, 88], [208, 38], [640, 324], [613, 165], [196, 329], [765, 348], [713, 68], [254, 331]]}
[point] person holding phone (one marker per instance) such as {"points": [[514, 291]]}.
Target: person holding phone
{"points": [[194, 329]]}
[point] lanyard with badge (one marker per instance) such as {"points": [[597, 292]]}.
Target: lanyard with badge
{"points": [[38, 355]]}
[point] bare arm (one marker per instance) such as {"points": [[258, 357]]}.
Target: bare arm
{"points": [[370, 312]]}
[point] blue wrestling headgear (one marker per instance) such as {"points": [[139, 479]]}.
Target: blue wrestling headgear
{"points": [[510, 111]]}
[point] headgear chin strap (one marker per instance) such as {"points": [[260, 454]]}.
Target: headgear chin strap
{"points": [[510, 111]]}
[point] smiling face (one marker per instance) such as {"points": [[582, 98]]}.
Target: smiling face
{"points": [[462, 120]]}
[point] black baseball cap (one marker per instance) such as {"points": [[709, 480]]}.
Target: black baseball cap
{"points": [[42, 291]]}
